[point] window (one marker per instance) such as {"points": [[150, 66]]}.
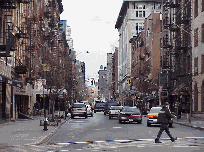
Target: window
{"points": [[140, 26], [196, 66], [136, 6], [147, 33], [160, 42], [136, 28], [195, 8], [158, 6], [202, 33], [140, 13], [202, 64], [140, 7], [195, 37], [161, 25]]}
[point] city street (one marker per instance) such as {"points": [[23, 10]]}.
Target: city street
{"points": [[99, 133]]}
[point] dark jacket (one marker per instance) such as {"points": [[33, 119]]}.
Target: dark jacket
{"points": [[164, 115]]}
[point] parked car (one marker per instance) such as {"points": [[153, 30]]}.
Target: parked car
{"points": [[108, 105], [130, 114], [89, 110], [152, 116], [114, 111], [79, 109]]}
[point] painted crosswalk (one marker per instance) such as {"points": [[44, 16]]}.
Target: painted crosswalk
{"points": [[184, 142]]}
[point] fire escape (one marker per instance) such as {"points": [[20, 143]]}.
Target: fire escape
{"points": [[7, 39], [176, 44]]}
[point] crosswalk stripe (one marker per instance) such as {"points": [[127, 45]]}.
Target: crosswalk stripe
{"points": [[121, 141]]}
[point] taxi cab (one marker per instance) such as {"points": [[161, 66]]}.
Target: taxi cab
{"points": [[152, 116]]}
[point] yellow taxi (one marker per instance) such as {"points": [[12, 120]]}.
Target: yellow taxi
{"points": [[152, 116]]}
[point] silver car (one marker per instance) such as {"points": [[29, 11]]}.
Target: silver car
{"points": [[79, 109], [114, 111]]}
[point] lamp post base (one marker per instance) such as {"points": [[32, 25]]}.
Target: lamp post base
{"points": [[45, 126]]}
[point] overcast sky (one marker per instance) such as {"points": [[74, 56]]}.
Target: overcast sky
{"points": [[92, 25]]}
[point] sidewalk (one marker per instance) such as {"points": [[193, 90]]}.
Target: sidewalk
{"points": [[26, 132], [197, 122]]}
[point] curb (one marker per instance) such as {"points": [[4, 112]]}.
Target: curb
{"points": [[48, 136], [190, 125]]}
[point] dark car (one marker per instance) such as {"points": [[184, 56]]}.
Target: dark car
{"points": [[108, 105], [99, 106], [130, 114], [79, 109]]}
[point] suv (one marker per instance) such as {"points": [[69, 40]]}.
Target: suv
{"points": [[79, 109], [108, 105], [99, 106]]}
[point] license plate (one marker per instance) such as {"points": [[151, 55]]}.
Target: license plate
{"points": [[130, 119]]}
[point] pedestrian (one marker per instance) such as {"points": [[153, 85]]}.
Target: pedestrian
{"points": [[179, 111], [163, 117]]}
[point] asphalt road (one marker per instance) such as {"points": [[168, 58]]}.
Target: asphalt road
{"points": [[99, 133]]}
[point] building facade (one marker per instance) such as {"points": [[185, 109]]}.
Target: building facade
{"points": [[32, 51], [130, 22], [197, 38]]}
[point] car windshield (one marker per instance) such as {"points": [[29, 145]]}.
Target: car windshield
{"points": [[111, 104], [116, 108], [100, 104], [155, 110], [79, 105], [133, 110]]}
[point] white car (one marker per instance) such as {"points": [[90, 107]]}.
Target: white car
{"points": [[114, 111], [89, 110]]}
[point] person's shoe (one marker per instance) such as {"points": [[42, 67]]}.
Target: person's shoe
{"points": [[173, 139], [157, 141]]}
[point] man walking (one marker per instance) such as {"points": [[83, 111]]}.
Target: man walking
{"points": [[163, 117]]}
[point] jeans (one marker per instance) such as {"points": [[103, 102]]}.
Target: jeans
{"points": [[162, 128]]}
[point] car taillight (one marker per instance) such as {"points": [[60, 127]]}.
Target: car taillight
{"points": [[109, 111], [151, 117], [90, 109]]}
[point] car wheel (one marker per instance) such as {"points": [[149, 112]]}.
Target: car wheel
{"points": [[72, 117], [109, 117], [91, 114], [139, 122], [170, 125], [120, 121], [85, 116], [104, 113], [94, 111], [148, 124]]}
